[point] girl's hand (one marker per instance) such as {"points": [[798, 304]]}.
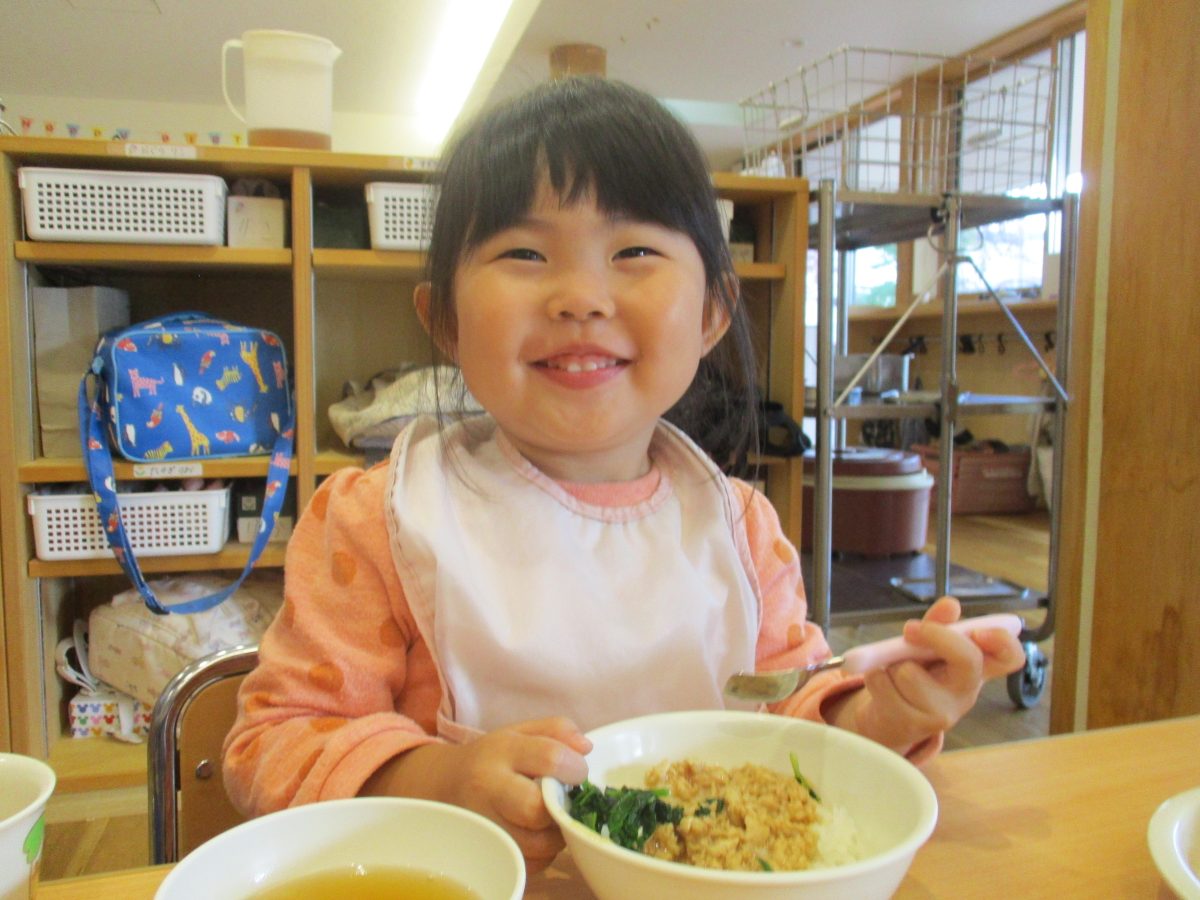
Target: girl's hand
{"points": [[908, 702], [496, 775]]}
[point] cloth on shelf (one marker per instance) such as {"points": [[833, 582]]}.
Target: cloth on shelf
{"points": [[108, 713], [369, 417], [138, 652]]}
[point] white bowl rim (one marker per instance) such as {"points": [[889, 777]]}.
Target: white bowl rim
{"points": [[239, 831], [44, 769], [1161, 836], [907, 847]]}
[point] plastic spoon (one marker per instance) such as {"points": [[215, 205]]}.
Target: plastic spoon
{"points": [[770, 687]]}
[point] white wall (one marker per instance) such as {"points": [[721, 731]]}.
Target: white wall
{"points": [[148, 121]]}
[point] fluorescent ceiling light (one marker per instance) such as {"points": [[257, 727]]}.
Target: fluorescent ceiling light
{"points": [[465, 35]]}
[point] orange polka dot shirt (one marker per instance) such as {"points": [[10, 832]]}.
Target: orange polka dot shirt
{"points": [[345, 681]]}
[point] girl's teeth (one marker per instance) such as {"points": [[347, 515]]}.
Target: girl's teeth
{"points": [[585, 366]]}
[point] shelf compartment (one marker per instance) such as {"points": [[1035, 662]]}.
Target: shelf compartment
{"points": [[368, 263], [327, 462], [966, 309], [870, 218], [97, 764], [47, 470], [917, 406], [232, 556], [760, 271], [151, 257]]}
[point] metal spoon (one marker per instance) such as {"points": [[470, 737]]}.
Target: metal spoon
{"points": [[770, 687]]}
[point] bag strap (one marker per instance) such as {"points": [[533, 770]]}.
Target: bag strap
{"points": [[98, 453]]}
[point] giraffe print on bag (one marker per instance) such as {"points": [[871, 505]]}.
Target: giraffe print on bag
{"points": [[200, 445], [249, 354]]}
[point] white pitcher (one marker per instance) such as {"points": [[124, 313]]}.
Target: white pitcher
{"points": [[289, 88]]}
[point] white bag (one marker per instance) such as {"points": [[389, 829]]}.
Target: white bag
{"points": [[138, 652]]}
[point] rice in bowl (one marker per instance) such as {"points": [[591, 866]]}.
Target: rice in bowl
{"points": [[749, 818]]}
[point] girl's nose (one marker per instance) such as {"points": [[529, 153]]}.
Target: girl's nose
{"points": [[579, 296]]}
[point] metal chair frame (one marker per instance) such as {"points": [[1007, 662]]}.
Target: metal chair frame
{"points": [[169, 786]]}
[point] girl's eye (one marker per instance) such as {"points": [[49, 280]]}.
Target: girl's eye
{"points": [[522, 253], [636, 252]]}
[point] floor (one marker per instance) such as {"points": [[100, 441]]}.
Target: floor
{"points": [[1016, 549], [1011, 547]]}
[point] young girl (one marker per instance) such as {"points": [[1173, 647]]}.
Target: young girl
{"points": [[457, 618]]}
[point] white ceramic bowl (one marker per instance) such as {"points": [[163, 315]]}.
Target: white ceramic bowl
{"points": [[1174, 838], [368, 831], [888, 799]]}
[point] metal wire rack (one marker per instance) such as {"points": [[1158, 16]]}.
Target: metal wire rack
{"points": [[899, 121]]}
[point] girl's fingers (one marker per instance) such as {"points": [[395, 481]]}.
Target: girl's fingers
{"points": [[539, 847], [944, 610], [550, 747], [519, 801], [1002, 652], [899, 716], [961, 658], [561, 729]]}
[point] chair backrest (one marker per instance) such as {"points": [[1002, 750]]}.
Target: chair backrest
{"points": [[188, 803]]}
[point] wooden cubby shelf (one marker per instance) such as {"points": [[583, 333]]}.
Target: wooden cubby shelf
{"points": [[345, 314]]}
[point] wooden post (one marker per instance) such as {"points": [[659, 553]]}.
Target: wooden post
{"points": [[577, 59]]}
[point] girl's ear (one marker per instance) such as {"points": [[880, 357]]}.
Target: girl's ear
{"points": [[422, 297], [717, 318]]}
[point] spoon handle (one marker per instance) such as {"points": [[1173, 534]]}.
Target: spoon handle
{"points": [[880, 654]]}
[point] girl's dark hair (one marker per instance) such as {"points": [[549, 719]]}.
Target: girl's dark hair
{"points": [[592, 135]]}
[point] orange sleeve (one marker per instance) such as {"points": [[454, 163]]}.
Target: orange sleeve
{"points": [[786, 637], [344, 681]]}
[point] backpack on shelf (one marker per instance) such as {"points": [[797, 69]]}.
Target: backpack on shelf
{"points": [[185, 387]]}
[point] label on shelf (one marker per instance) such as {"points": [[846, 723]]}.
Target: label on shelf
{"points": [[168, 470], [160, 151]]}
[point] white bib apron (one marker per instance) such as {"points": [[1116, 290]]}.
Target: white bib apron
{"points": [[536, 604]]}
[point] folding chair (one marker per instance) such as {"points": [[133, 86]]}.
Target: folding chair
{"points": [[188, 803]]}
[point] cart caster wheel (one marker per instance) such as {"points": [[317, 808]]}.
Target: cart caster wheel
{"points": [[1025, 686]]}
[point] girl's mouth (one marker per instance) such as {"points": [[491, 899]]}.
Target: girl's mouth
{"points": [[581, 369], [582, 363]]}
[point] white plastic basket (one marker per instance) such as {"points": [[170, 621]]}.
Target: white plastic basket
{"points": [[122, 207], [400, 215], [159, 523]]}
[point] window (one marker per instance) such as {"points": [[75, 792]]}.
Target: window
{"points": [[1011, 254]]}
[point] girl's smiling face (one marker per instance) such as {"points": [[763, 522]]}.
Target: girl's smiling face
{"points": [[577, 330]]}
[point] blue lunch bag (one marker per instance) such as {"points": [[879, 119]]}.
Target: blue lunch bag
{"points": [[185, 387]]}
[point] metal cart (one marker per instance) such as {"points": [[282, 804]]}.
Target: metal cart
{"points": [[904, 146]]}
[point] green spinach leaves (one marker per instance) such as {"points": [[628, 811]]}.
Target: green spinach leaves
{"points": [[630, 814]]}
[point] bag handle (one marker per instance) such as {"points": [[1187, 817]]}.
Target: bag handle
{"points": [[189, 316], [98, 454]]}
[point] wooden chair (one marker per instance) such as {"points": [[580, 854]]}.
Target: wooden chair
{"points": [[188, 804]]}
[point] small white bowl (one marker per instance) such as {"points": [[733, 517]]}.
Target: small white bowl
{"points": [[887, 798], [369, 831], [1174, 837]]}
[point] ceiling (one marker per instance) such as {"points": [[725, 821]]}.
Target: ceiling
{"points": [[705, 55]]}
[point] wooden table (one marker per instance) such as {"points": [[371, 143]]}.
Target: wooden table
{"points": [[1062, 816]]}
